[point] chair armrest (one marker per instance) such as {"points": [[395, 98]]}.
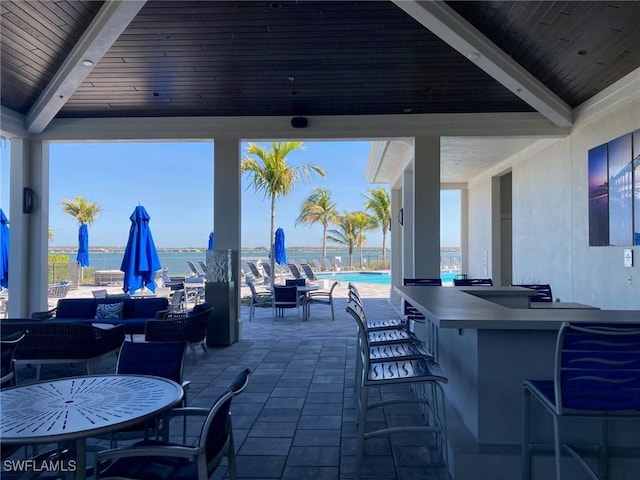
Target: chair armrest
{"points": [[183, 412], [146, 451], [47, 314], [162, 314], [319, 294]]}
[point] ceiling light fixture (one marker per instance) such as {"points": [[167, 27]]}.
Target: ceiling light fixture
{"points": [[473, 56], [87, 63]]}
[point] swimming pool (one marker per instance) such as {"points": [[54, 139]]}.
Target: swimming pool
{"points": [[378, 278]]}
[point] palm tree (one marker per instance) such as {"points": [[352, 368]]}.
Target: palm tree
{"points": [[345, 234], [271, 174], [318, 208], [84, 212], [379, 204], [362, 222]]}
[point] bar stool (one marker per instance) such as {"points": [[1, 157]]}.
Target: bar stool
{"points": [[409, 370], [595, 378]]}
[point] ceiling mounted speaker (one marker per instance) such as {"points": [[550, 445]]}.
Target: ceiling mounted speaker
{"points": [[299, 122]]}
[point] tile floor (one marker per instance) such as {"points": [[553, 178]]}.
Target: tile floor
{"points": [[296, 418]]}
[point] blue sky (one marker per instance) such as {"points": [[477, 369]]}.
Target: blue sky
{"points": [[174, 182]]}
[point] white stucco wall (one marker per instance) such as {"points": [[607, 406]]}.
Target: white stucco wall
{"points": [[550, 217], [599, 275], [542, 219], [479, 222]]}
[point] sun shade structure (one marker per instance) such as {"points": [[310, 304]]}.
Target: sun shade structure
{"points": [[140, 260], [4, 250], [212, 239], [83, 246], [279, 250]]}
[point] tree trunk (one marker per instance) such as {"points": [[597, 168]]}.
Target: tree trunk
{"points": [[272, 258], [324, 240], [384, 243]]}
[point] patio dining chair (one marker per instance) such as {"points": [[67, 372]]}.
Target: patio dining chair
{"points": [[179, 461], [8, 346], [595, 379], [285, 297], [322, 297], [258, 298], [159, 359], [190, 326]]}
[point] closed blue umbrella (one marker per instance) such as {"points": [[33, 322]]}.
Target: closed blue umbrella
{"points": [[4, 250], [83, 246], [211, 241], [140, 260], [279, 250]]}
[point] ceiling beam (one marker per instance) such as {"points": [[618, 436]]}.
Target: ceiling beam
{"points": [[104, 30], [449, 26]]}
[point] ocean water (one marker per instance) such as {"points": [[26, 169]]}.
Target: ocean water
{"points": [[176, 262]]}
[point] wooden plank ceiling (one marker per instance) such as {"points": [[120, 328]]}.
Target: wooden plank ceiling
{"points": [[222, 58]]}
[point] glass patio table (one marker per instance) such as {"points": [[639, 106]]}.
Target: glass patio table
{"points": [[75, 408]]}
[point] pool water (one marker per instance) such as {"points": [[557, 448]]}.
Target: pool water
{"points": [[378, 278]]}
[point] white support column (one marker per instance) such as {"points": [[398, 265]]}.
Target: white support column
{"points": [[407, 224], [227, 197], [396, 243], [464, 230], [426, 173], [28, 233]]}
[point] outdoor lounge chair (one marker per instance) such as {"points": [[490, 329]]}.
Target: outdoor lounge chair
{"points": [[203, 266], [194, 271], [254, 270], [308, 271], [326, 264], [295, 271], [337, 264], [58, 291], [181, 461], [267, 269]]}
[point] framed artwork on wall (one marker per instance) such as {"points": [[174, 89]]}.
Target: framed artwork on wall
{"points": [[598, 197], [614, 192]]}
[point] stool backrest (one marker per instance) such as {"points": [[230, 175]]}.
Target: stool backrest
{"points": [[598, 366], [543, 289], [472, 282]]}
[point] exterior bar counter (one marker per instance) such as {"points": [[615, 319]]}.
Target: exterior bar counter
{"points": [[487, 350]]}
